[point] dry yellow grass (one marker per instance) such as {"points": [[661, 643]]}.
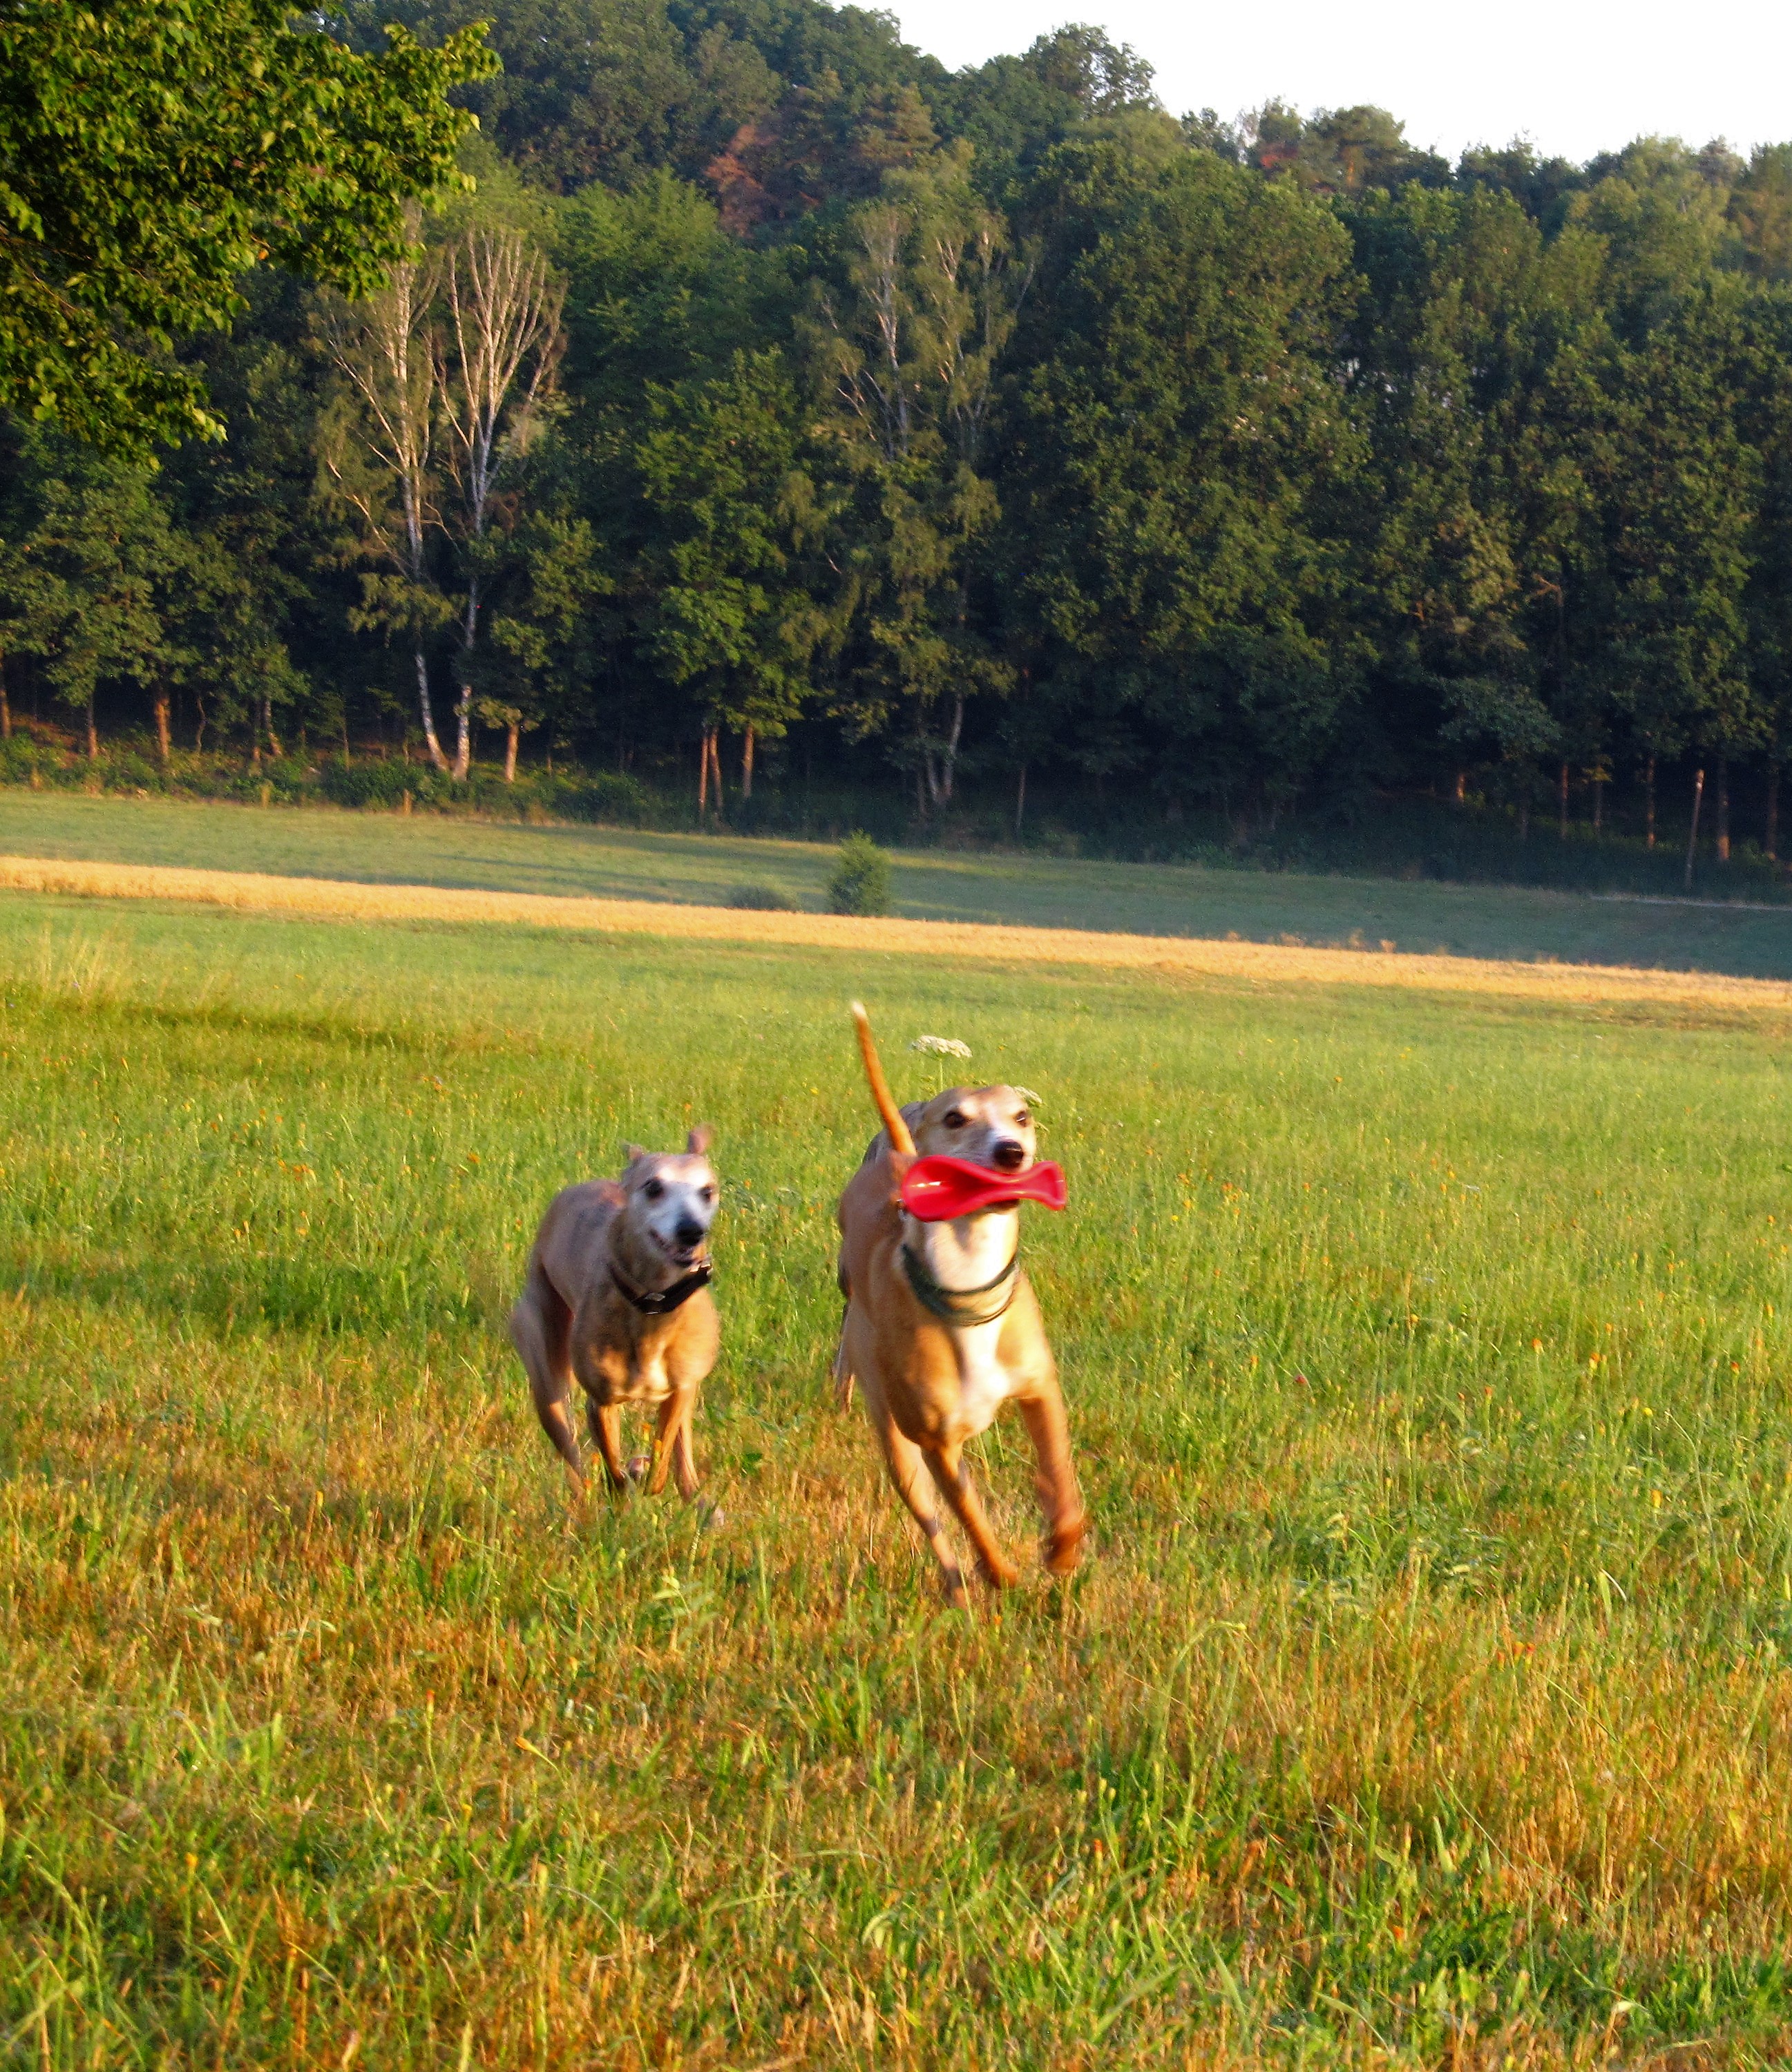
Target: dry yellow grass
{"points": [[1265, 963]]}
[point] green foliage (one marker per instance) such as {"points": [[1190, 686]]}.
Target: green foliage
{"points": [[958, 443], [152, 152], [718, 461], [861, 880], [762, 899]]}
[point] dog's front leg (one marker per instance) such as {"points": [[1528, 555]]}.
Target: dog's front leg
{"points": [[1055, 1480], [605, 1420], [946, 1466], [902, 1457], [672, 1443]]}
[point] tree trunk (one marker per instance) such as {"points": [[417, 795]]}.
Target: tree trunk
{"points": [[199, 731], [1460, 795], [162, 742], [6, 707], [513, 734], [428, 711], [715, 768], [267, 727], [1599, 800], [746, 766], [346, 762], [703, 775], [1771, 838], [1722, 809], [950, 760], [92, 733], [1020, 802], [1692, 838], [1648, 803], [1562, 801], [464, 705]]}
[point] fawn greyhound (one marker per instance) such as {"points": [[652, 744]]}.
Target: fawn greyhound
{"points": [[942, 1326], [617, 1294]]}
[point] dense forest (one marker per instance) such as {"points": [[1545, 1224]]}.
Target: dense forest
{"points": [[778, 414]]}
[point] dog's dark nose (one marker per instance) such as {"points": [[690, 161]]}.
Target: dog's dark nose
{"points": [[1008, 1156], [689, 1231]]}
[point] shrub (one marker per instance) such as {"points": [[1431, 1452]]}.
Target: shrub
{"points": [[126, 770], [609, 797], [763, 899], [861, 880], [381, 784], [22, 757]]}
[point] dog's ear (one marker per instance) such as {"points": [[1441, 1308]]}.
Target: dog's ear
{"points": [[632, 1152], [700, 1140], [609, 1191]]}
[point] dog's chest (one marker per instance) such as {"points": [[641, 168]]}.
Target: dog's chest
{"points": [[612, 1369], [983, 1382]]}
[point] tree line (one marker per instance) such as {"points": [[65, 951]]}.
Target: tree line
{"points": [[762, 392]]}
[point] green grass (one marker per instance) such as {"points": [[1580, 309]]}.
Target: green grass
{"points": [[1149, 899], [1426, 1699]]}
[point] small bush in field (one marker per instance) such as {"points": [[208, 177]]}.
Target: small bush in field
{"points": [[762, 899], [861, 880]]}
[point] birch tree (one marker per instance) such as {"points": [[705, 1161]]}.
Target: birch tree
{"points": [[444, 373], [496, 352], [379, 460]]}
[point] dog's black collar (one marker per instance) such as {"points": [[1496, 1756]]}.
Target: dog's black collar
{"points": [[944, 1301], [662, 1302]]}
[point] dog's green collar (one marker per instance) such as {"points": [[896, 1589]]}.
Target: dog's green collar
{"points": [[945, 1302]]}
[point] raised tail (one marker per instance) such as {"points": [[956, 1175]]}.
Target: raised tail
{"points": [[900, 1138]]}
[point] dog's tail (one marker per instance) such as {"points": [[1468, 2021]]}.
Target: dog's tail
{"points": [[900, 1138]]}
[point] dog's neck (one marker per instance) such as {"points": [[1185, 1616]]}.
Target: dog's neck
{"points": [[968, 1252]]}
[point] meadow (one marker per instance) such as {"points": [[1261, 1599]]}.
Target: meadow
{"points": [[1030, 890], [1425, 1700]]}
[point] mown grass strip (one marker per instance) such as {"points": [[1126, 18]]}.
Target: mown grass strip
{"points": [[247, 891]]}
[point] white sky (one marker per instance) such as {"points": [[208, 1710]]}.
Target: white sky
{"points": [[1577, 76]]}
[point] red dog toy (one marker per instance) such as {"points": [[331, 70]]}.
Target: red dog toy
{"points": [[937, 1189]]}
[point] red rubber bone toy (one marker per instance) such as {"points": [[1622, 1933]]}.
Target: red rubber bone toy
{"points": [[936, 1189]]}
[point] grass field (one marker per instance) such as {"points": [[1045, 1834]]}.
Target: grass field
{"points": [[1034, 891], [1426, 1699]]}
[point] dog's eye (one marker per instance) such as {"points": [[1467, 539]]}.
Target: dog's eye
{"points": [[653, 1190], [1023, 1118], [955, 1121], [708, 1193]]}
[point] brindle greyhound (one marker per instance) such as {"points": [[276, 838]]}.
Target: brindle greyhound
{"points": [[617, 1294], [942, 1326]]}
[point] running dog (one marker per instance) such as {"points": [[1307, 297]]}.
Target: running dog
{"points": [[617, 1294], [942, 1326]]}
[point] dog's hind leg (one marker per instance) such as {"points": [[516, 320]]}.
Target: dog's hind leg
{"points": [[1055, 1481], [902, 1458], [842, 1365], [947, 1469], [539, 1326]]}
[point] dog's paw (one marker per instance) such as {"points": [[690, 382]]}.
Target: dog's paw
{"points": [[1063, 1547]]}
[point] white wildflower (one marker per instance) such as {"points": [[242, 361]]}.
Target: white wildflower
{"points": [[941, 1046]]}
